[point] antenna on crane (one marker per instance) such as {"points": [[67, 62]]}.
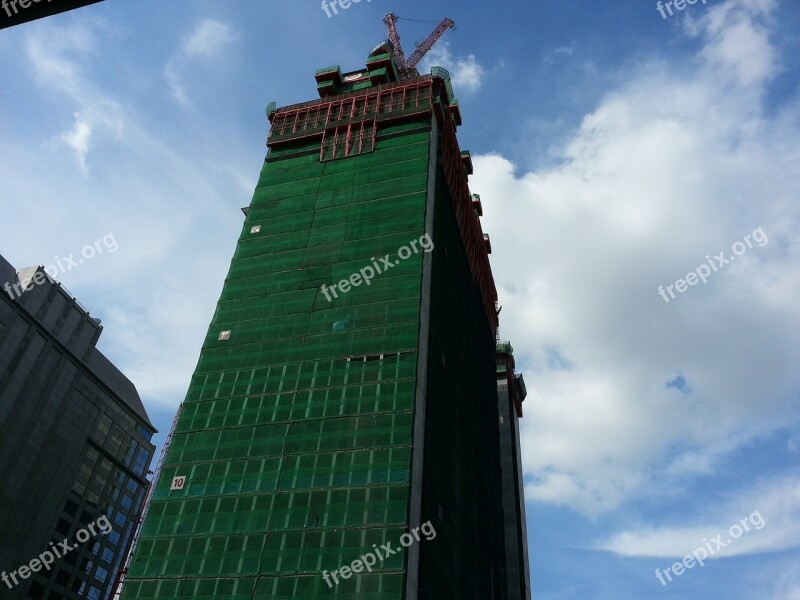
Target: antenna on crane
{"points": [[408, 66]]}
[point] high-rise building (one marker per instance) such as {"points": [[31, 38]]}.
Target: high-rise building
{"points": [[74, 446], [340, 434], [511, 392]]}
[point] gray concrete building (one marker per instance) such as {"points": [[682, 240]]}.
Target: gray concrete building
{"points": [[75, 446], [510, 394]]}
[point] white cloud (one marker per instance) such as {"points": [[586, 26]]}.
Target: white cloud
{"points": [[793, 594], [208, 38], [766, 519], [175, 83], [552, 55], [738, 42], [60, 58], [104, 119], [53, 56], [164, 206], [465, 71], [678, 163], [77, 139], [206, 43]]}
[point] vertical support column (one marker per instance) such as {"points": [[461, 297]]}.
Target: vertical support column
{"points": [[421, 390]]}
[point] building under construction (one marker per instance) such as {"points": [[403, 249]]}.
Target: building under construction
{"points": [[346, 395]]}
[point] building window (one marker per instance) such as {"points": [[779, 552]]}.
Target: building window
{"points": [[36, 591], [62, 577], [62, 527], [102, 428], [70, 508], [98, 482], [114, 440], [129, 452], [141, 461], [144, 432], [84, 472], [101, 574], [91, 455], [104, 467]]}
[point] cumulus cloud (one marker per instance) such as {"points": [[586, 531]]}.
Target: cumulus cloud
{"points": [[466, 73], [679, 163]]}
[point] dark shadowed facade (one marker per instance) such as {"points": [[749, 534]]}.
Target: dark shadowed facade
{"points": [[74, 445]]}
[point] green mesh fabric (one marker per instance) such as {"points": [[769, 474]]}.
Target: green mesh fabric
{"points": [[296, 433], [297, 436]]}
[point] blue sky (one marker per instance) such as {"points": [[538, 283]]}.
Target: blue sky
{"points": [[615, 152]]}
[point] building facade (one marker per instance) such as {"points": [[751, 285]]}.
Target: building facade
{"points": [[339, 436], [74, 446], [511, 392]]}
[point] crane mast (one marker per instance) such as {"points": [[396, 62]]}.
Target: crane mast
{"points": [[408, 66]]}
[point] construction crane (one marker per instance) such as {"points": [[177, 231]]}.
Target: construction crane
{"points": [[408, 66]]}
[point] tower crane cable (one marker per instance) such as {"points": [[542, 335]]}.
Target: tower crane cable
{"points": [[408, 66]]}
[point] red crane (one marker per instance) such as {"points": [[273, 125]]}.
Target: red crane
{"points": [[408, 66]]}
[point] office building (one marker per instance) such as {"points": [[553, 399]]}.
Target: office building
{"points": [[74, 446]]}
